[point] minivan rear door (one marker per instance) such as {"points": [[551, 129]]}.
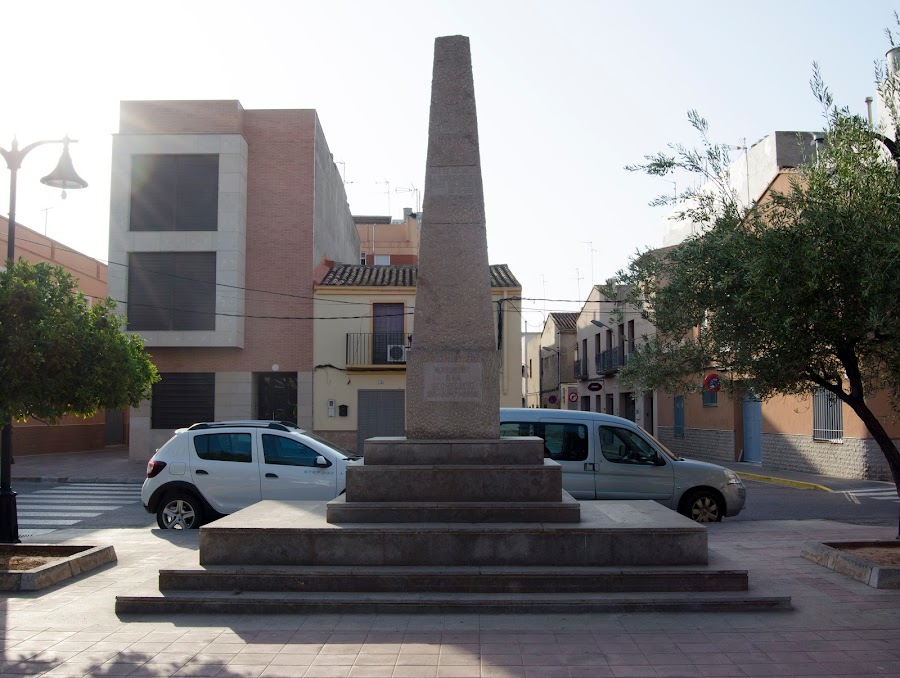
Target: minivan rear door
{"points": [[224, 469], [630, 467], [565, 443]]}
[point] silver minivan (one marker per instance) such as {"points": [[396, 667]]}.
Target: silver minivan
{"points": [[607, 457]]}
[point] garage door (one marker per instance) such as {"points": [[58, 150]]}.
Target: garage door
{"points": [[381, 413]]}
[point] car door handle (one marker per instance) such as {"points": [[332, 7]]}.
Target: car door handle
{"points": [[588, 466], [271, 475], [201, 472]]}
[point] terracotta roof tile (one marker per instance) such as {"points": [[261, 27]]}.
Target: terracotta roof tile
{"points": [[565, 321], [402, 275]]}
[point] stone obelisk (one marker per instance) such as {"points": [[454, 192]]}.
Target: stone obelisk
{"points": [[452, 377]]}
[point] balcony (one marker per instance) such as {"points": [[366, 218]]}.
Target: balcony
{"points": [[609, 361], [377, 350]]}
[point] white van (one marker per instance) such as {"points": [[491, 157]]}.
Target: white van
{"points": [[607, 457]]}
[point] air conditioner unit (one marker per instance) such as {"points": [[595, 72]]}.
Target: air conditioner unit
{"points": [[396, 353]]}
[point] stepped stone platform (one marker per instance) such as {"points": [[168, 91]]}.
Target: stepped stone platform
{"points": [[285, 557]]}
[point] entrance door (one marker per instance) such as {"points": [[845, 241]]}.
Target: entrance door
{"points": [[387, 332], [276, 396], [752, 412], [381, 413], [114, 432]]}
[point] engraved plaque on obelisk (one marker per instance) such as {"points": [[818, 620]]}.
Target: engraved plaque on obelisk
{"points": [[452, 378]]}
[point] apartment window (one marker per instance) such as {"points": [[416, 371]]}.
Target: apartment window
{"points": [[181, 399], [172, 291], [828, 417], [382, 260], [710, 398], [678, 431], [362, 258], [174, 192]]}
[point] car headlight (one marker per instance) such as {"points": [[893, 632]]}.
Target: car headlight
{"points": [[732, 477]]}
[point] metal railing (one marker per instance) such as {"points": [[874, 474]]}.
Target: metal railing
{"points": [[377, 348], [611, 360]]}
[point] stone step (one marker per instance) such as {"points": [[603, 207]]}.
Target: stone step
{"points": [[226, 602], [526, 450], [615, 534], [453, 580], [475, 482], [339, 511]]}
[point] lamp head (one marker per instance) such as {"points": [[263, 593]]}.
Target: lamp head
{"points": [[64, 176]]}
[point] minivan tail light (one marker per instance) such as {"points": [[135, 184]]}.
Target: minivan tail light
{"points": [[154, 467]]}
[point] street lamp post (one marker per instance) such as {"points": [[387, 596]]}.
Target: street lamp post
{"points": [[64, 176]]}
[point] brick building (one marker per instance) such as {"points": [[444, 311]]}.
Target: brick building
{"points": [[223, 217]]}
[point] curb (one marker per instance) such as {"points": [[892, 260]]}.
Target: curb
{"points": [[784, 481]]}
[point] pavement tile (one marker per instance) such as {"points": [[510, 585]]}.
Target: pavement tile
{"points": [[633, 671], [619, 659], [677, 671], [412, 659], [590, 672], [334, 660], [546, 672], [409, 672], [502, 671]]}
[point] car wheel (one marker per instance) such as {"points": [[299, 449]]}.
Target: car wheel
{"points": [[704, 506], [180, 511]]}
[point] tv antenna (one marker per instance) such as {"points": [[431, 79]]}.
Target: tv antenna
{"points": [[412, 189]]}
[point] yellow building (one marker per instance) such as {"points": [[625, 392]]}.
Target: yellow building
{"points": [[362, 332]]}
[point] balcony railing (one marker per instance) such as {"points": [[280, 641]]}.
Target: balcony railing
{"points": [[367, 349], [611, 360]]}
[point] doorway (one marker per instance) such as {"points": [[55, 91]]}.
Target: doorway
{"points": [[276, 396]]}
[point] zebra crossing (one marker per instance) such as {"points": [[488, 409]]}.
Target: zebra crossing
{"points": [[61, 506], [886, 493]]}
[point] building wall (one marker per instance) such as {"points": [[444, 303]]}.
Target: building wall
{"points": [[335, 238], [332, 380], [398, 239], [713, 445], [282, 207], [557, 363]]}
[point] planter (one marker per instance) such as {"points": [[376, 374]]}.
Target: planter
{"points": [[30, 567], [875, 563]]}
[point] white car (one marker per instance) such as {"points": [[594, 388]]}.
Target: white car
{"points": [[215, 468]]}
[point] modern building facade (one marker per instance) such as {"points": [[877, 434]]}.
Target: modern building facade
{"points": [[71, 434], [363, 333], [220, 219]]}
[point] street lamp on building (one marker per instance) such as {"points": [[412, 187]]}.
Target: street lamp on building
{"points": [[64, 177]]}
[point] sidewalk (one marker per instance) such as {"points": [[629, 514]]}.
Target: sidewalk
{"points": [[838, 627]]}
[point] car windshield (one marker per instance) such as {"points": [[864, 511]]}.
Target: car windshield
{"points": [[340, 450], [666, 450]]}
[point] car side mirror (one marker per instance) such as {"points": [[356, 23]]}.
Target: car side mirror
{"points": [[658, 460], [322, 461]]}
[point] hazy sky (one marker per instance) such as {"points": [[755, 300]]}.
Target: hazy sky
{"points": [[568, 92]]}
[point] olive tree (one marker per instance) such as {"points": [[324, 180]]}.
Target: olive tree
{"points": [[796, 292]]}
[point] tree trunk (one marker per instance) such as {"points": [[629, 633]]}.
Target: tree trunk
{"points": [[890, 451]]}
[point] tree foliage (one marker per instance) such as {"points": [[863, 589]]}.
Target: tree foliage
{"points": [[793, 293], [60, 356]]}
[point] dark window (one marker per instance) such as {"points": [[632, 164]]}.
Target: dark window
{"points": [[223, 447], [287, 452], [181, 399], [710, 398], [174, 192], [172, 291], [562, 442]]}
